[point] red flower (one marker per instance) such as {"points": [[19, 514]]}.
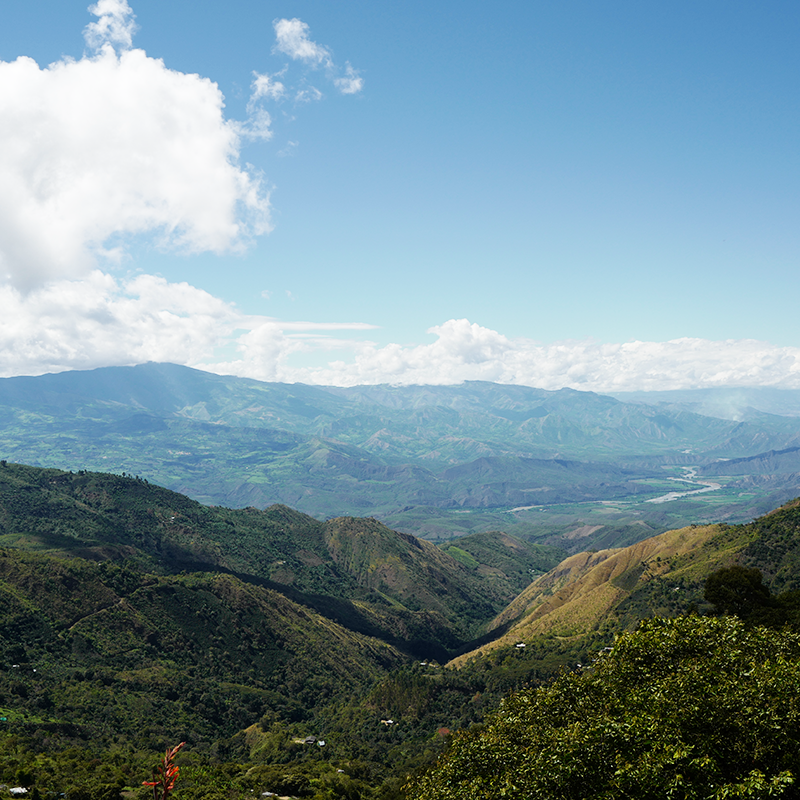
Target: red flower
{"points": [[165, 775]]}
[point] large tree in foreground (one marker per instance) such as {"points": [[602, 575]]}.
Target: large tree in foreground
{"points": [[683, 708]]}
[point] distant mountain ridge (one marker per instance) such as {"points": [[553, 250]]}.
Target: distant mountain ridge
{"points": [[415, 456]]}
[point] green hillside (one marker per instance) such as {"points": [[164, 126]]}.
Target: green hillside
{"points": [[506, 561], [357, 572], [166, 658], [132, 617]]}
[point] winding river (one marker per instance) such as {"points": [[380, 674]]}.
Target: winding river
{"points": [[690, 473]]}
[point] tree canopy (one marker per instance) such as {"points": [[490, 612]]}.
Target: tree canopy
{"points": [[689, 708], [736, 590]]}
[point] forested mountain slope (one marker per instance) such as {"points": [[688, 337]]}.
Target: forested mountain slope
{"points": [[356, 571], [131, 616], [197, 655]]}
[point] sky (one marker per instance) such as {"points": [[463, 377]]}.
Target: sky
{"points": [[602, 195]]}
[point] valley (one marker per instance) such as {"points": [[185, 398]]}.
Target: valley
{"points": [[317, 589], [434, 461], [134, 616]]}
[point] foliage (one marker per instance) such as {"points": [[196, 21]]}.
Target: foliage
{"points": [[116, 635], [686, 708], [736, 590], [357, 572], [143, 617], [503, 559], [775, 547], [740, 591]]}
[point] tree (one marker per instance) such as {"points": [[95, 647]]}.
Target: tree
{"points": [[684, 708], [737, 590]]}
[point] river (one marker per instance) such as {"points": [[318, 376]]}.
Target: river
{"points": [[690, 473]]}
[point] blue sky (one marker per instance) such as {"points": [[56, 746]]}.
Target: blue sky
{"points": [[595, 194]]}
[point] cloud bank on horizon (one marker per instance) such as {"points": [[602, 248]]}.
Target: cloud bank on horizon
{"points": [[126, 148], [99, 321]]}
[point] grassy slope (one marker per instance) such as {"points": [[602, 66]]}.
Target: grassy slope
{"points": [[664, 575]]}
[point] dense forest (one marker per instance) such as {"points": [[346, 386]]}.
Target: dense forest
{"points": [[343, 659]]}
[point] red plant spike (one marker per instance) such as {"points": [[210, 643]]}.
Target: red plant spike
{"points": [[165, 775]]}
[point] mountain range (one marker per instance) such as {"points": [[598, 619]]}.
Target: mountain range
{"points": [[436, 461]]}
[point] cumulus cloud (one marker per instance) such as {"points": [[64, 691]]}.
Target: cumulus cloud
{"points": [[95, 151], [258, 125], [307, 95], [100, 321], [115, 145]]}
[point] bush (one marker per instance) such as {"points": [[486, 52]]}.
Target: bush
{"points": [[684, 708]]}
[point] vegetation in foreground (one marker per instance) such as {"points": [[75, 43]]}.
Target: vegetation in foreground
{"points": [[143, 619], [698, 708]]}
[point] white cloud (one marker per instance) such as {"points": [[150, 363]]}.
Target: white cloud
{"points": [[257, 126], [307, 95], [114, 145], [265, 86], [292, 39], [114, 27], [99, 321], [98, 150], [289, 150], [466, 351], [352, 83]]}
